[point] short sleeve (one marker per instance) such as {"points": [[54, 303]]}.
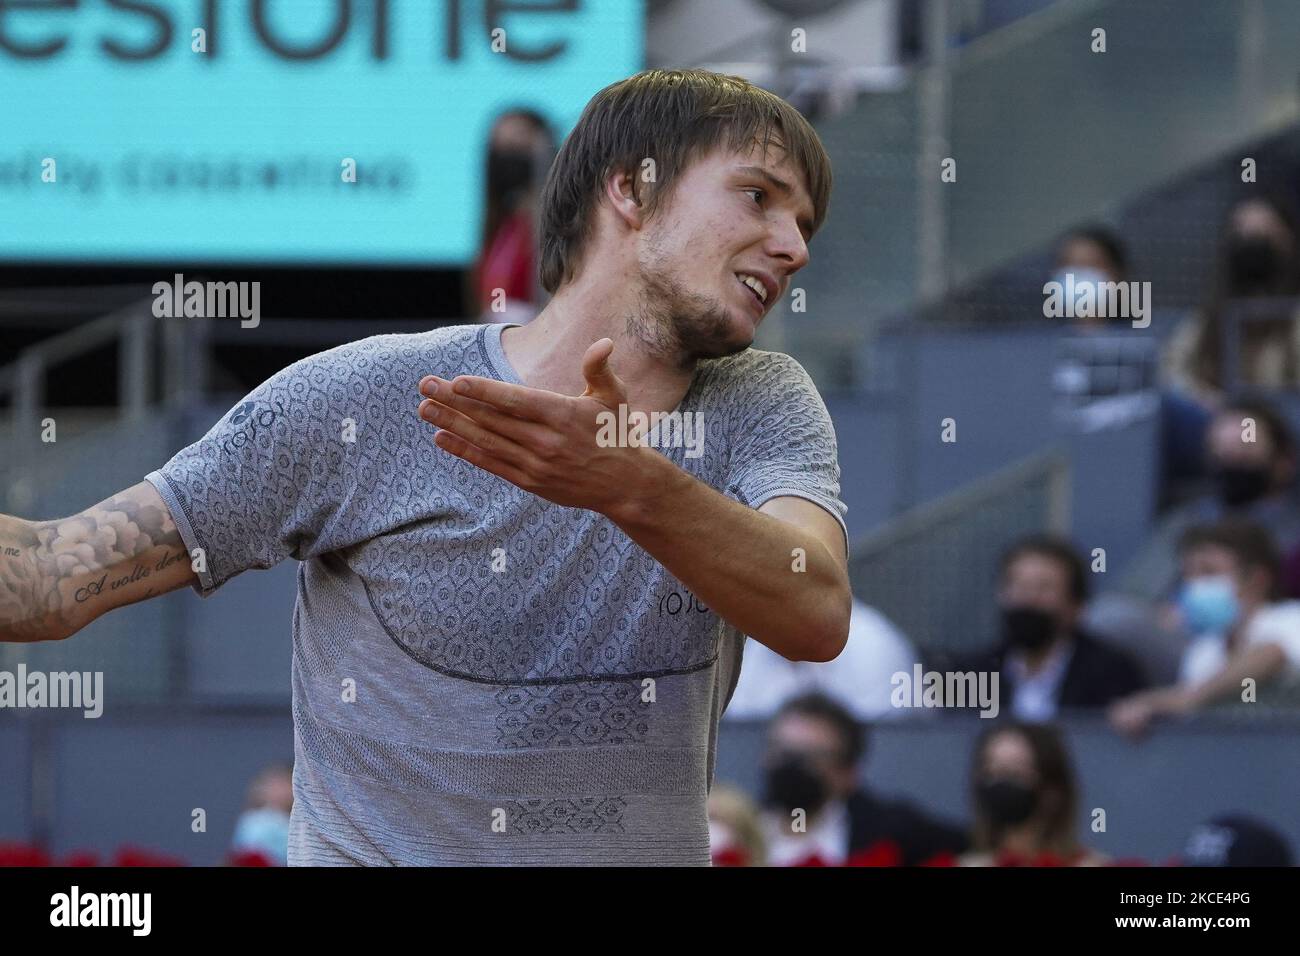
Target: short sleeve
{"points": [[783, 442], [1280, 625], [268, 480]]}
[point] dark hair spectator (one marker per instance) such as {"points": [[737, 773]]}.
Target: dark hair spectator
{"points": [[503, 281], [1055, 548], [817, 811], [1250, 460], [1240, 637], [1250, 543], [853, 735], [1259, 257], [1025, 799], [1235, 839], [1093, 246], [1046, 659]]}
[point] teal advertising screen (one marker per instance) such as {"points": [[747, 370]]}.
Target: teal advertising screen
{"points": [[122, 141]]}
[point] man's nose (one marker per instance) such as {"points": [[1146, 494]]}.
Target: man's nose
{"points": [[788, 246]]}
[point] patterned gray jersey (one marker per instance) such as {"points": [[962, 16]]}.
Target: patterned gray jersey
{"points": [[481, 676]]}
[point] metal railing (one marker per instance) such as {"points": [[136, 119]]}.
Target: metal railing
{"points": [[932, 570], [165, 361], [131, 328]]}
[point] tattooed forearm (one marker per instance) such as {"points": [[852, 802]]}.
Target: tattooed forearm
{"points": [[54, 574]]}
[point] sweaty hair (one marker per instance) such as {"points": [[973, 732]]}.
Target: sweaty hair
{"points": [[672, 117]]}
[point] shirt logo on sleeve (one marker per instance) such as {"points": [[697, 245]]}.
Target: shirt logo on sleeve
{"points": [[247, 419]]}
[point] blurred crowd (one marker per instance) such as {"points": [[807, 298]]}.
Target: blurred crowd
{"points": [[1207, 614], [815, 809]]}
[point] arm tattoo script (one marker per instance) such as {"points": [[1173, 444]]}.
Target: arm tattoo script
{"points": [[36, 557]]}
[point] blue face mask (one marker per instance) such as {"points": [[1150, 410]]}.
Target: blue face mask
{"points": [[264, 831], [1209, 604]]}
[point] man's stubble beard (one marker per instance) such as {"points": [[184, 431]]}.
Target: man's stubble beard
{"points": [[678, 325]]}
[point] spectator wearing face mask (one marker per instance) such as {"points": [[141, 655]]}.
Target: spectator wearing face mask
{"points": [[262, 830], [1251, 460], [1025, 800], [1259, 258], [1046, 660], [1090, 255], [816, 811], [505, 277], [1228, 603], [1105, 376]]}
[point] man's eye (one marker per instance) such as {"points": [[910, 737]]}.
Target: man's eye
{"points": [[757, 193]]}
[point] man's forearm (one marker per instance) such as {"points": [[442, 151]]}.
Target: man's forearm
{"points": [[740, 563], [58, 576], [31, 607], [1258, 661]]}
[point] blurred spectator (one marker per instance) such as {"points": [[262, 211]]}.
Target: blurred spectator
{"points": [[1025, 800], [815, 749], [860, 676], [1105, 375], [1258, 258], [520, 149], [1047, 661], [1228, 603], [262, 830], [1236, 840], [1251, 458], [735, 831], [1091, 255]]}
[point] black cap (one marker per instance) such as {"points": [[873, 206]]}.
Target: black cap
{"points": [[1234, 840]]}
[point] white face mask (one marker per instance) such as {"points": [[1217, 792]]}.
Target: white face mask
{"points": [[1083, 277]]}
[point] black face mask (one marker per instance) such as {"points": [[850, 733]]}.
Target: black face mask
{"points": [[510, 171], [1027, 628], [1006, 803], [1255, 266], [791, 784], [1239, 486]]}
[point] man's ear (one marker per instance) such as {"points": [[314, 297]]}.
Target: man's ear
{"points": [[626, 196]]}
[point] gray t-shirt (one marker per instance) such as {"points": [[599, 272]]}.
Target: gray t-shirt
{"points": [[479, 675]]}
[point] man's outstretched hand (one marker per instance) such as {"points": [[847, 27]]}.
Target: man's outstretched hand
{"points": [[543, 442], [734, 559]]}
